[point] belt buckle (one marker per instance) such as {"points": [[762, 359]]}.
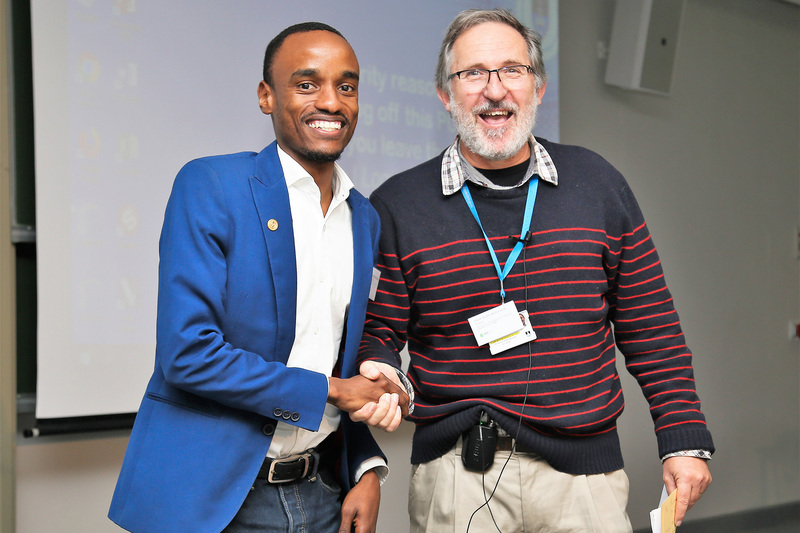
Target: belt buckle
{"points": [[305, 457]]}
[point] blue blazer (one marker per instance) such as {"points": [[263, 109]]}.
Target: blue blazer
{"points": [[225, 327]]}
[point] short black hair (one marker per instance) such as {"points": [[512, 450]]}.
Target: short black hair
{"points": [[275, 44]]}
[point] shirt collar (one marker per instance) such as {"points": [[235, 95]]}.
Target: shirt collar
{"points": [[456, 170], [293, 173]]}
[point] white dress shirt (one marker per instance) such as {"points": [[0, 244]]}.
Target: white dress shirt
{"points": [[324, 255]]}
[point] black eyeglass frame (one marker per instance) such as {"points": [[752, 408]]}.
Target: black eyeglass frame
{"points": [[489, 71]]}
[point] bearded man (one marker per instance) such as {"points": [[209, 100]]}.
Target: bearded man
{"points": [[510, 266]]}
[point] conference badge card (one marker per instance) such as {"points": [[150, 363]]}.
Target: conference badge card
{"points": [[495, 323], [526, 334]]}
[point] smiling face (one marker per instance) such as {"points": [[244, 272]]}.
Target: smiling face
{"points": [[494, 122], [313, 98]]}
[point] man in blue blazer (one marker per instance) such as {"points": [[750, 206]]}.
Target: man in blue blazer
{"points": [[266, 263]]}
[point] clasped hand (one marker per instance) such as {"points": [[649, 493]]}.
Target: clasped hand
{"points": [[376, 396]]}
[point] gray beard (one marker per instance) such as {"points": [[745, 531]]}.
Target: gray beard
{"points": [[478, 140]]}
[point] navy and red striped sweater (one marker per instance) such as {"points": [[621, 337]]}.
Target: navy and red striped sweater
{"points": [[590, 276]]}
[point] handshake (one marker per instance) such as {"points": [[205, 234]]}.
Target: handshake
{"points": [[376, 396]]}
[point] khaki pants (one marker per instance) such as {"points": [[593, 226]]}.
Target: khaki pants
{"points": [[531, 497]]}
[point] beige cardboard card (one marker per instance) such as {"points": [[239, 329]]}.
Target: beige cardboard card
{"points": [[668, 513]]}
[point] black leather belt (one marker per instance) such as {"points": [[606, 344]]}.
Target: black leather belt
{"points": [[292, 468], [299, 466], [505, 443]]}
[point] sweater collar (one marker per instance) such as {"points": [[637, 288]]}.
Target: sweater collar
{"points": [[456, 170]]}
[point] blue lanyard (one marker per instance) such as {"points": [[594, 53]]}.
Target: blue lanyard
{"points": [[533, 186]]}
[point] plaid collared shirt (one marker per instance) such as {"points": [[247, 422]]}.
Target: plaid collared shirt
{"points": [[456, 169]]}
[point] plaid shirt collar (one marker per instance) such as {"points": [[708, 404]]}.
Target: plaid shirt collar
{"points": [[456, 170]]}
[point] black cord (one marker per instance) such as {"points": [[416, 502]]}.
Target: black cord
{"points": [[526, 240]]}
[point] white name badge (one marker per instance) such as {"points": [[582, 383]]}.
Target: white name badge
{"points": [[495, 323], [526, 334]]}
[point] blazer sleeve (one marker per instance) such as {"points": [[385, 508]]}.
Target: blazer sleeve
{"points": [[203, 232]]}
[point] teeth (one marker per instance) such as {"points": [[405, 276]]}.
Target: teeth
{"points": [[497, 113], [325, 125]]}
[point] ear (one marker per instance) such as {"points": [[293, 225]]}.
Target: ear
{"points": [[444, 96], [540, 93], [266, 98]]}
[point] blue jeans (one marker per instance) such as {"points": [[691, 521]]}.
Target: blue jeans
{"points": [[306, 506]]}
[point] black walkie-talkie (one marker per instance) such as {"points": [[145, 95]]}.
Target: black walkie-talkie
{"points": [[479, 444]]}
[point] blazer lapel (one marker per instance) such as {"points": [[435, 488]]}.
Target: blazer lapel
{"points": [[271, 198], [362, 277]]}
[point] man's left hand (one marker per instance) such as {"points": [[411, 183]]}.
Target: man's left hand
{"points": [[386, 413], [360, 507], [691, 477]]}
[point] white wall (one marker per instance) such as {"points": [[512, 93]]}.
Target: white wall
{"points": [[66, 485], [716, 168]]}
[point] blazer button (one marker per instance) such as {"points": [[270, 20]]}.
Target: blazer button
{"points": [[278, 412], [268, 430], [295, 417], [287, 415]]}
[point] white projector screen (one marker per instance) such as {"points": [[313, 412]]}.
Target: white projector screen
{"points": [[126, 92]]}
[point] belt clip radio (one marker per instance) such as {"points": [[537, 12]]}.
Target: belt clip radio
{"points": [[479, 444]]}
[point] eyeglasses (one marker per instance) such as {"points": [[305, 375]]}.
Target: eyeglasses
{"points": [[479, 77]]}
